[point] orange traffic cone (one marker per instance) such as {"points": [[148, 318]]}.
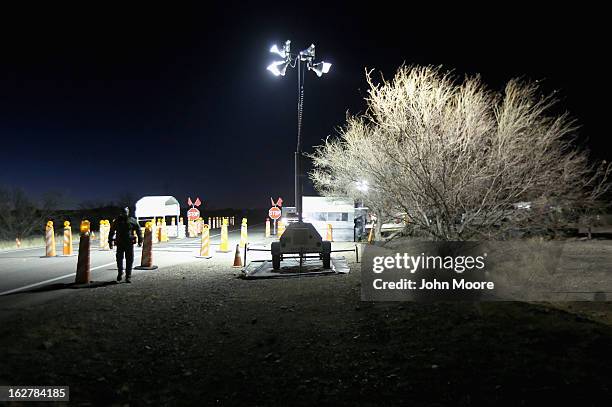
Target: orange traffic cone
{"points": [[83, 273], [237, 258], [146, 258]]}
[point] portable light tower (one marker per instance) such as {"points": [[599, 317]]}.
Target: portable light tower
{"points": [[299, 237], [279, 68]]}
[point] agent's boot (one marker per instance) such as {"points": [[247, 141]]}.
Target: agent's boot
{"points": [[119, 275], [128, 276]]}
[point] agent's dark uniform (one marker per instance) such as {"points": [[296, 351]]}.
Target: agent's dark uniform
{"points": [[122, 234]]}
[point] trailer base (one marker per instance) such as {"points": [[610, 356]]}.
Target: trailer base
{"points": [[290, 268]]}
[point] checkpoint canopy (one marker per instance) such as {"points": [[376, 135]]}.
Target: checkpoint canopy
{"points": [[150, 207]]}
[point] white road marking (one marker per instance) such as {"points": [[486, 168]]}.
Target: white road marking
{"points": [[72, 274], [52, 280]]}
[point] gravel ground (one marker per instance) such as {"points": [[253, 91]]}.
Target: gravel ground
{"points": [[196, 334]]}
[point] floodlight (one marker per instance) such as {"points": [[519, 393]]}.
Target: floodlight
{"points": [[278, 67], [363, 186], [308, 52], [320, 68], [278, 52]]}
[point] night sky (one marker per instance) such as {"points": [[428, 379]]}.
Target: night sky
{"points": [[100, 100]]}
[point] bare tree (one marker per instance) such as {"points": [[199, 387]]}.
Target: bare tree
{"points": [[343, 164], [21, 217], [462, 161]]}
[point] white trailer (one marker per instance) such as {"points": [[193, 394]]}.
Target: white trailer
{"points": [[334, 211], [150, 207]]}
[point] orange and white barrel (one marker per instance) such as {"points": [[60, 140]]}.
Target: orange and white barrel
{"points": [[50, 240], [330, 233], [244, 236], [67, 250], [205, 242], [224, 246]]}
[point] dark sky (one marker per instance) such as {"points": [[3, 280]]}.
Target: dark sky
{"points": [[101, 99]]}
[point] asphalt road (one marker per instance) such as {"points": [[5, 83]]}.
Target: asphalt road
{"points": [[28, 270]]}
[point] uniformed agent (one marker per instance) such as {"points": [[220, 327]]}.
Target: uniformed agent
{"points": [[124, 232]]}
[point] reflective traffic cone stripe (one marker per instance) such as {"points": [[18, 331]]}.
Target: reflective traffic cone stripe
{"points": [[49, 240], [83, 272], [330, 234], [237, 258], [67, 239], [267, 227], [244, 236]]}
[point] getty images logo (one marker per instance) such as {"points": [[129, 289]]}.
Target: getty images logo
{"points": [[404, 261]]}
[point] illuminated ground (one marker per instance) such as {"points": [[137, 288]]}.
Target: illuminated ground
{"points": [[194, 334]]}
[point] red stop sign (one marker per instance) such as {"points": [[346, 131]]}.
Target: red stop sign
{"points": [[274, 213], [193, 214]]}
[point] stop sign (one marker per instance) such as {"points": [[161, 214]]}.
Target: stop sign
{"points": [[193, 214], [274, 213]]}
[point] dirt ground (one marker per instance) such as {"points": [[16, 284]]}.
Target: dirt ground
{"points": [[195, 334]]}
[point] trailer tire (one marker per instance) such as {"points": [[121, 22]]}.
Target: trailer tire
{"points": [[326, 254], [326, 260], [276, 260], [275, 250]]}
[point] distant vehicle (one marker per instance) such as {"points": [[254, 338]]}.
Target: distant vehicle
{"points": [[397, 224]]}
